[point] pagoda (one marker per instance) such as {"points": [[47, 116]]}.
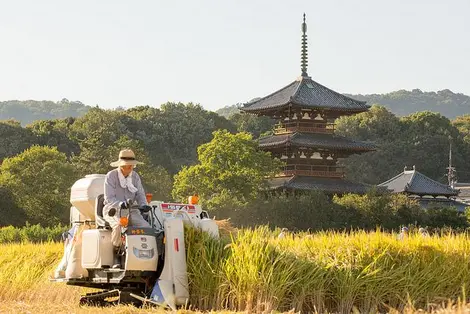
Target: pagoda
{"points": [[304, 136]]}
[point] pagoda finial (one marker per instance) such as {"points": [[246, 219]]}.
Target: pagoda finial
{"points": [[304, 54]]}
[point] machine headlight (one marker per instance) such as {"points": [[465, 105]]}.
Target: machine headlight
{"points": [[144, 254]]}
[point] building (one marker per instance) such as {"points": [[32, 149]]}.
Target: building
{"points": [[464, 193], [304, 137], [424, 189]]}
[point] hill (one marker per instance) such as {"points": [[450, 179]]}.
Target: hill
{"points": [[30, 110], [403, 102], [227, 111]]}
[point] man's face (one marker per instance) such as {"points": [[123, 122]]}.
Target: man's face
{"points": [[126, 170]]}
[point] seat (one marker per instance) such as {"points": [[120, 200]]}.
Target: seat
{"points": [[99, 205]]}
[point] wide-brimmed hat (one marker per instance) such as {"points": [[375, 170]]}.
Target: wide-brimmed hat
{"points": [[126, 157]]}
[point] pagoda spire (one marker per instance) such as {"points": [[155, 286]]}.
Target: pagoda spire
{"points": [[451, 170], [304, 54]]}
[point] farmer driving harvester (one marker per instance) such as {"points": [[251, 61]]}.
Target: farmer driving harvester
{"points": [[123, 184]]}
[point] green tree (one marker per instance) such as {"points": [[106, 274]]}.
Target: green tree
{"points": [[170, 135], [428, 136], [186, 126], [96, 133], [382, 127], [252, 123], [463, 124], [421, 139], [231, 168], [10, 214], [40, 179], [55, 133], [150, 133], [14, 139]]}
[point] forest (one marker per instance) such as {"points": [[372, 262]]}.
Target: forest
{"points": [[186, 149]]}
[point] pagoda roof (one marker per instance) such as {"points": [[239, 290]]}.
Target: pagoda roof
{"points": [[306, 93], [316, 140], [416, 183], [327, 185]]}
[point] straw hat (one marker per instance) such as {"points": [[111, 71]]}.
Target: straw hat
{"points": [[126, 157]]}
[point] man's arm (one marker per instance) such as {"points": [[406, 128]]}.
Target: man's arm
{"points": [[110, 189], [140, 194]]}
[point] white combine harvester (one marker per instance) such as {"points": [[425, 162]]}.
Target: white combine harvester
{"points": [[153, 259]]}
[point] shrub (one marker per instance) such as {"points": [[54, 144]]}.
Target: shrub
{"points": [[31, 233]]}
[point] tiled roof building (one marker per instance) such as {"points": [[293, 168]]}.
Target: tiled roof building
{"points": [[415, 183], [424, 189]]}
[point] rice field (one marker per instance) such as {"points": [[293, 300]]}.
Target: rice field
{"points": [[255, 271]]}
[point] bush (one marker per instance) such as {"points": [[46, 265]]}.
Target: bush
{"points": [[31, 233], [445, 216], [314, 210], [309, 210], [39, 180]]}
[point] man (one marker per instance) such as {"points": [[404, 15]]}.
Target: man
{"points": [[403, 234], [120, 185]]}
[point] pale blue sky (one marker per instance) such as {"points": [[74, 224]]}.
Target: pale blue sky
{"points": [[216, 53]]}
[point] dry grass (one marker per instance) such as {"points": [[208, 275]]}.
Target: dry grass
{"points": [[225, 227]]}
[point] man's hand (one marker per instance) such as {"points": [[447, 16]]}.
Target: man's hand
{"points": [[123, 205], [145, 208]]}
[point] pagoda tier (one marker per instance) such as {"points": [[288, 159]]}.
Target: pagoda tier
{"points": [[312, 154], [315, 142], [305, 96], [326, 185]]}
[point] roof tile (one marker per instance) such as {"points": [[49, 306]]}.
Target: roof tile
{"points": [[414, 182], [328, 141], [306, 92], [327, 185]]}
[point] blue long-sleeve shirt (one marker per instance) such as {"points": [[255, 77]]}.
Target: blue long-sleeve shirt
{"points": [[114, 193]]}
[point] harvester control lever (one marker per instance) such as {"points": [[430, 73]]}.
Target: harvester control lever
{"points": [[145, 208]]}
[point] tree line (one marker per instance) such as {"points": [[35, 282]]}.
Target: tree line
{"points": [[187, 149]]}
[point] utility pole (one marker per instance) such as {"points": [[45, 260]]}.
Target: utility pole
{"points": [[451, 176]]}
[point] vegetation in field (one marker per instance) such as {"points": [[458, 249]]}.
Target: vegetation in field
{"points": [[331, 271], [254, 270]]}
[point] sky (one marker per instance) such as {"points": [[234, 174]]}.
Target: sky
{"points": [[218, 53]]}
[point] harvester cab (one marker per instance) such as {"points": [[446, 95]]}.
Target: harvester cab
{"points": [[153, 260]]}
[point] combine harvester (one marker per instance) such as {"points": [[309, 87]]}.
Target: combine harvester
{"points": [[153, 259]]}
